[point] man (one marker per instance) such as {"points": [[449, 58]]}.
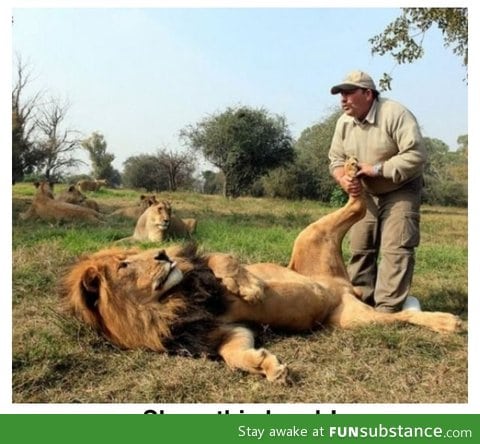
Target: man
{"points": [[385, 138]]}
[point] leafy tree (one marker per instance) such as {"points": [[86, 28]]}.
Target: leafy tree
{"points": [[158, 172], [25, 156], [213, 182], [463, 145], [312, 156], [244, 143], [445, 174], [178, 168], [144, 171], [308, 176], [403, 38], [102, 167], [55, 145]]}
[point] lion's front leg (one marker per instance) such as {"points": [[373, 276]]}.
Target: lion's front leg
{"points": [[236, 279], [239, 353]]}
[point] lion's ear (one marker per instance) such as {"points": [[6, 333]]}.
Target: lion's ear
{"points": [[71, 188], [91, 280]]}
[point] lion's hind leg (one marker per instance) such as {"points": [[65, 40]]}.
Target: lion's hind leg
{"points": [[239, 352], [352, 313]]}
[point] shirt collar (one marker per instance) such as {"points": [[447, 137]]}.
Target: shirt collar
{"points": [[370, 117]]}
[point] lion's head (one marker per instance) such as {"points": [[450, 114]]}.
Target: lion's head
{"points": [[44, 189], [159, 215], [147, 201], [147, 299], [73, 195]]}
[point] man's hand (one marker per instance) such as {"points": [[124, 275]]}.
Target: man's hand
{"points": [[366, 169], [351, 185]]}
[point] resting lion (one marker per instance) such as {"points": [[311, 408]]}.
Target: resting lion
{"points": [[135, 211], [157, 224], [74, 196], [91, 185], [176, 300], [45, 206]]}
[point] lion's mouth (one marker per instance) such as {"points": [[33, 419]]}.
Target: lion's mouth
{"points": [[166, 281], [163, 225]]}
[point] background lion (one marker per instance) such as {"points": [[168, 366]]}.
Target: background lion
{"points": [[157, 224], [178, 301], [45, 206], [91, 185], [135, 211], [74, 196]]}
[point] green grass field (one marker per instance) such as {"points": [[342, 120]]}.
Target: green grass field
{"points": [[57, 360]]}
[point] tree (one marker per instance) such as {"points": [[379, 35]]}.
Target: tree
{"points": [[25, 156], [445, 174], [56, 145], [178, 168], [213, 182], [143, 171], [163, 171], [244, 143], [403, 38], [102, 167], [312, 156], [463, 144]]}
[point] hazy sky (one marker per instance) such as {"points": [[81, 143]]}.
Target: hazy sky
{"points": [[138, 76]]}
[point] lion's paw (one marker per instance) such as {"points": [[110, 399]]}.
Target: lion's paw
{"points": [[448, 323], [279, 375], [250, 291]]}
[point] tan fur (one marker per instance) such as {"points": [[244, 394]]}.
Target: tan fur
{"points": [[91, 185], [135, 211], [157, 224], [120, 293], [74, 196], [45, 206]]}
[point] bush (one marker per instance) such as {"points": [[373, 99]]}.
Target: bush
{"points": [[338, 198]]}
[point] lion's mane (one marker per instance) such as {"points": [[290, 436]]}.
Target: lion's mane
{"points": [[184, 321]]}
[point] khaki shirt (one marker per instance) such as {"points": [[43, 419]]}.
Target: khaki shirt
{"points": [[389, 134]]}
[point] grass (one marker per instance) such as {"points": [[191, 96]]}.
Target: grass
{"points": [[58, 360]]}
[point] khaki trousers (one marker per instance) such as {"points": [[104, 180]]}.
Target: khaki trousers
{"points": [[383, 246]]}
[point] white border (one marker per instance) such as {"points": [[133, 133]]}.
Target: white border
{"points": [[473, 405]]}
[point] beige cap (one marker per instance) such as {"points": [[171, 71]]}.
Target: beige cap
{"points": [[355, 79]]}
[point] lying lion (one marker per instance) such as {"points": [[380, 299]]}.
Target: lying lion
{"points": [[176, 300], [74, 196], [91, 185], [135, 211], [45, 206], [157, 224]]}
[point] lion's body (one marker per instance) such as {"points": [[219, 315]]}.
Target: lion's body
{"points": [[45, 206], [91, 185], [175, 300], [157, 224], [135, 211], [73, 196]]}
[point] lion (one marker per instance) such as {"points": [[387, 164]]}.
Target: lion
{"points": [[74, 196], [91, 185], [45, 206], [177, 300], [135, 211], [157, 224]]}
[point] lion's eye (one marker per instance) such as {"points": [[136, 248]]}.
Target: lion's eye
{"points": [[121, 265]]}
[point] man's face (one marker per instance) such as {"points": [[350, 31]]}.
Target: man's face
{"points": [[356, 102]]}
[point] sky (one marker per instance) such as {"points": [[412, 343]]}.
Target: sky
{"points": [[140, 75]]}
